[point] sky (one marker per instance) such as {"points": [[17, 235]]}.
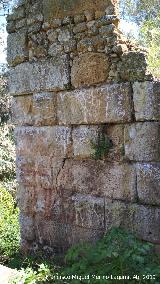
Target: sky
{"points": [[125, 26]]}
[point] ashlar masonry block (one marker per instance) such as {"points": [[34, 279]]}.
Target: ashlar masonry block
{"points": [[139, 219], [148, 183], [142, 141], [98, 178], [39, 109], [17, 51], [90, 69], [106, 104], [44, 141], [146, 96], [46, 75]]}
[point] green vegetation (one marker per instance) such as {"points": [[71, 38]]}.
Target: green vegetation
{"points": [[102, 147], [146, 14], [118, 253], [9, 226]]}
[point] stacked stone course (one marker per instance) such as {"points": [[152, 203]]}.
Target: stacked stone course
{"points": [[74, 77]]}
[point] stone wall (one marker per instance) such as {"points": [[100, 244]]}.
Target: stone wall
{"points": [[87, 131]]}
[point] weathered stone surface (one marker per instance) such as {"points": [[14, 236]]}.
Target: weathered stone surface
{"points": [[38, 172], [45, 108], [60, 237], [43, 141], [116, 134], [133, 66], [52, 75], [148, 183], [146, 97], [61, 9], [89, 69], [142, 141], [142, 220], [83, 138], [114, 181], [79, 210], [39, 109], [17, 51], [22, 110], [27, 227], [106, 104]]}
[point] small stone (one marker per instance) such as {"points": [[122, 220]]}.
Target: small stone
{"points": [[70, 46], [67, 20], [79, 28], [20, 24], [35, 28], [55, 49], [64, 36], [55, 23], [106, 30], [52, 35], [90, 15], [79, 18], [99, 14]]}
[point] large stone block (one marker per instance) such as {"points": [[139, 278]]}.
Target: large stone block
{"points": [[98, 178], [79, 210], [58, 238], [22, 110], [17, 51], [38, 172], [83, 138], [142, 141], [45, 108], [142, 220], [33, 141], [148, 183], [60, 9], [39, 109], [106, 104], [146, 97], [89, 69], [116, 135], [48, 75]]}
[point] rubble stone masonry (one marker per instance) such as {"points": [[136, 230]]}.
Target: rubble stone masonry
{"points": [[79, 88]]}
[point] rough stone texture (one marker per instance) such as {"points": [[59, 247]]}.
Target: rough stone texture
{"points": [[43, 141], [89, 69], [45, 108], [106, 104], [148, 183], [22, 110], [136, 218], [142, 141], [146, 97], [83, 89], [39, 109], [17, 53], [83, 139], [133, 66], [60, 9], [52, 75], [98, 178]]}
